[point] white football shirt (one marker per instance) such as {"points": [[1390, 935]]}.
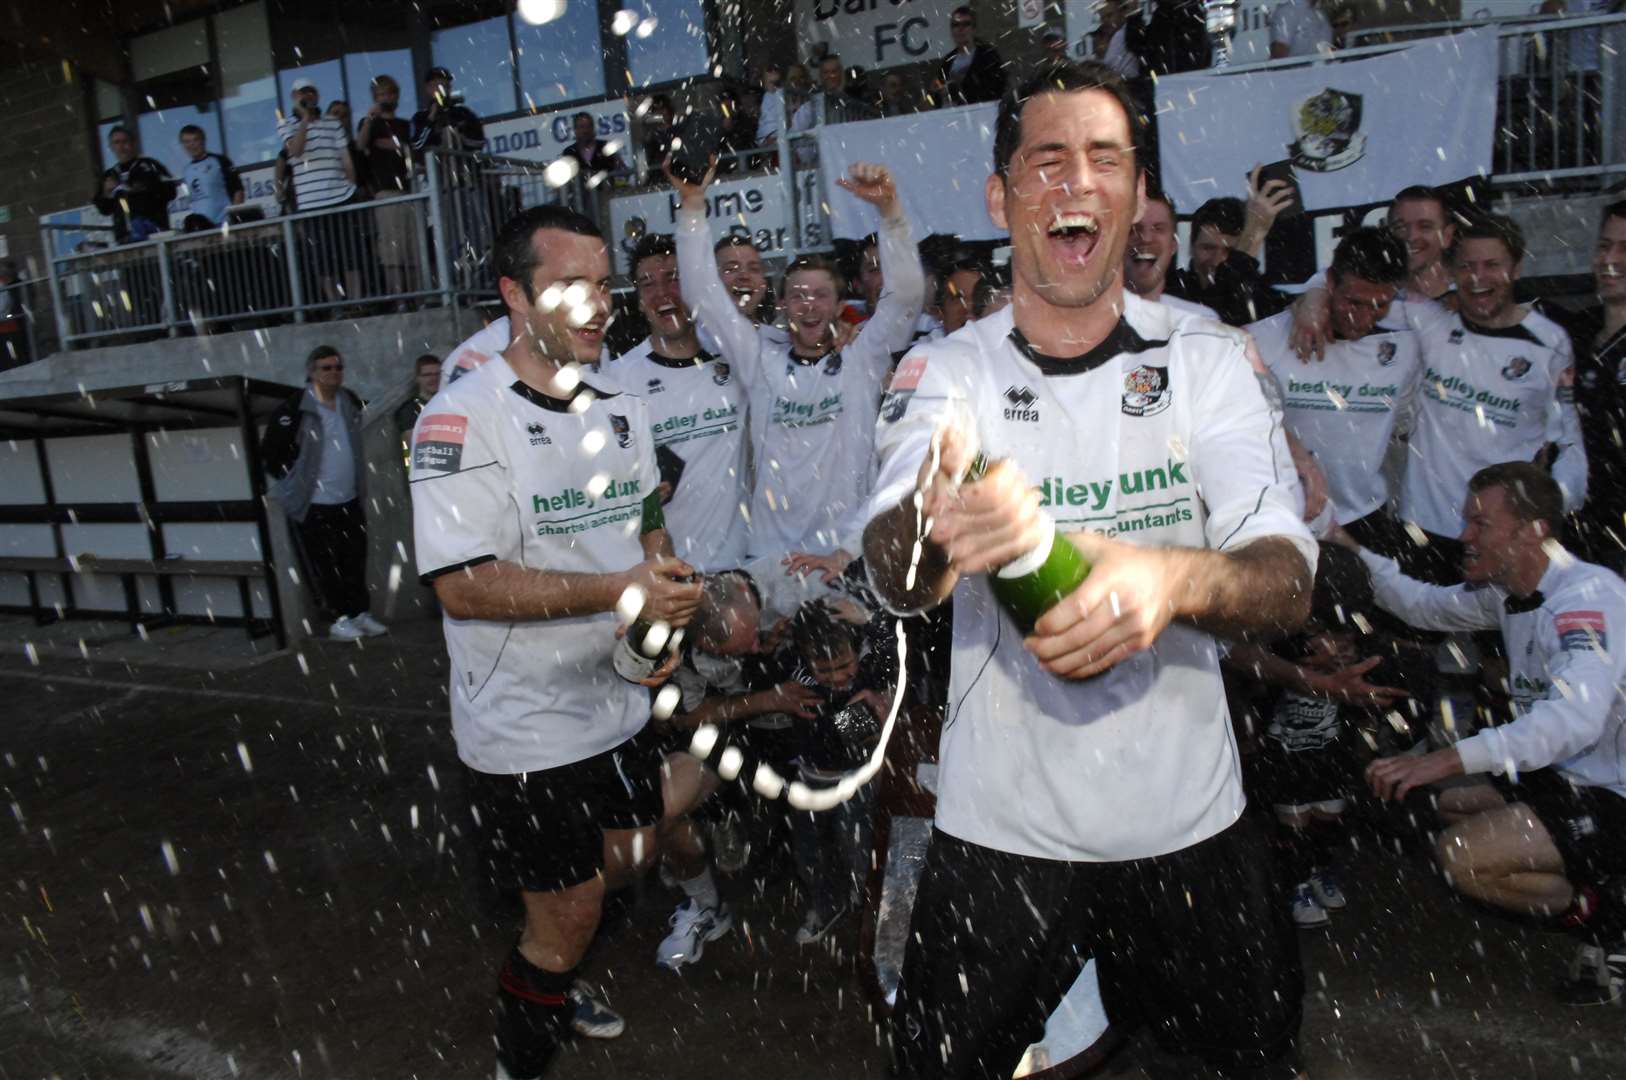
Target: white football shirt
{"points": [[1159, 435], [503, 472], [812, 421], [1343, 408], [1487, 396], [697, 414]]}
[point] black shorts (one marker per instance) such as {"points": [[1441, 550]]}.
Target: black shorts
{"points": [[1305, 777], [544, 831], [1587, 824], [1193, 943]]}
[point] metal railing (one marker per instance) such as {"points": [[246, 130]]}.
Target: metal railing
{"points": [[1560, 114]]}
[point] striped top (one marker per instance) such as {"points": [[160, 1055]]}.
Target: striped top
{"points": [[319, 178]]}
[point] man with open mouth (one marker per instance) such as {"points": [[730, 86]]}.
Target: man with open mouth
{"points": [[1089, 795]]}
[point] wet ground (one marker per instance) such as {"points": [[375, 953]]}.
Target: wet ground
{"points": [[253, 866]]}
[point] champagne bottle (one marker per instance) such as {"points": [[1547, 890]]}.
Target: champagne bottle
{"points": [[1036, 581], [644, 648]]}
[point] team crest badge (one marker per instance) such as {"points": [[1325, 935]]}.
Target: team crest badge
{"points": [[1328, 128], [1146, 391], [623, 431], [1386, 353], [720, 372], [832, 366], [1517, 368]]}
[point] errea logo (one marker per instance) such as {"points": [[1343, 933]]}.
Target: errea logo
{"points": [[1022, 401], [538, 435]]}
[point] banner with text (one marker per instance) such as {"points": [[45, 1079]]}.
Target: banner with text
{"points": [[876, 33], [755, 208], [1356, 131], [940, 162], [544, 136]]}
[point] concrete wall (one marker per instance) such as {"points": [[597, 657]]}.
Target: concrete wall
{"points": [[49, 163]]}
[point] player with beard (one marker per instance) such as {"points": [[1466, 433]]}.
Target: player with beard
{"points": [[1152, 247], [1089, 795], [535, 513], [813, 403]]}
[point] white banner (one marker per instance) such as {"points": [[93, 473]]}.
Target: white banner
{"points": [[755, 207], [1356, 131], [876, 33], [939, 160], [544, 136]]}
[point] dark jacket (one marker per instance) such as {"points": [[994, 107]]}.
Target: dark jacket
{"points": [[984, 79], [1598, 531], [1175, 40], [291, 449], [1240, 293], [426, 132], [146, 191], [596, 160]]}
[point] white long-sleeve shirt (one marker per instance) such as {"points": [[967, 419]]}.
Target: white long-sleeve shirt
{"points": [[1565, 659], [812, 421]]}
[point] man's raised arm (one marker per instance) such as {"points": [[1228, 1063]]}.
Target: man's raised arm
{"points": [[703, 290]]}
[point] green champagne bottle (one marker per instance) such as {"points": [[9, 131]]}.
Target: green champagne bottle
{"points": [[1035, 582]]}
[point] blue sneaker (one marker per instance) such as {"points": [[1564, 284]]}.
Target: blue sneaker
{"points": [[1328, 892]]}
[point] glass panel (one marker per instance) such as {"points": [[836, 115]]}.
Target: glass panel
{"points": [[361, 68], [249, 91], [561, 60], [482, 65], [164, 51], [109, 102], [674, 48]]}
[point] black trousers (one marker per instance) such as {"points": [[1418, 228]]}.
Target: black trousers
{"points": [[334, 540]]}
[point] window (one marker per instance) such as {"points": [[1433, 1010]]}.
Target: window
{"points": [[675, 48], [561, 60], [248, 101], [173, 49], [481, 60]]}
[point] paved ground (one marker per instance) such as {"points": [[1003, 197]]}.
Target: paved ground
{"points": [[257, 870]]}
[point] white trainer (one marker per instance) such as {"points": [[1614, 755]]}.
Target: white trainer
{"points": [[692, 927], [1308, 914], [369, 625], [344, 628]]}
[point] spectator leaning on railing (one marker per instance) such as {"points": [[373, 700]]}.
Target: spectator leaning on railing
{"points": [[211, 181], [447, 123], [135, 190]]}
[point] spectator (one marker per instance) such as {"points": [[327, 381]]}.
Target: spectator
{"points": [[972, 71], [658, 117], [1599, 337], [896, 98], [831, 104], [1153, 244], [1299, 28], [771, 114], [313, 450], [956, 286], [318, 152], [1227, 236], [851, 671], [386, 143], [1055, 46], [1174, 40], [447, 123], [1421, 218], [1110, 43], [798, 88], [16, 348], [589, 151], [425, 385], [1539, 832], [340, 111], [738, 133], [135, 190], [211, 181]]}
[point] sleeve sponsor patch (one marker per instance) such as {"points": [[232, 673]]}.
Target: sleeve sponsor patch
{"points": [[905, 380], [438, 444], [1582, 630]]}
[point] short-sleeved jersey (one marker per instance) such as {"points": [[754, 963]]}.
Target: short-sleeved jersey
{"points": [[1487, 396], [697, 423], [480, 346], [1344, 407], [210, 184], [503, 472], [812, 421], [1160, 435], [1187, 307], [1566, 666]]}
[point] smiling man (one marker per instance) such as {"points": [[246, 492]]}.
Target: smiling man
{"points": [[1089, 796], [813, 401], [1543, 834], [1152, 247], [533, 499]]}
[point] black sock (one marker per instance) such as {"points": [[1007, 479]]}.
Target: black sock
{"points": [[533, 1015]]}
